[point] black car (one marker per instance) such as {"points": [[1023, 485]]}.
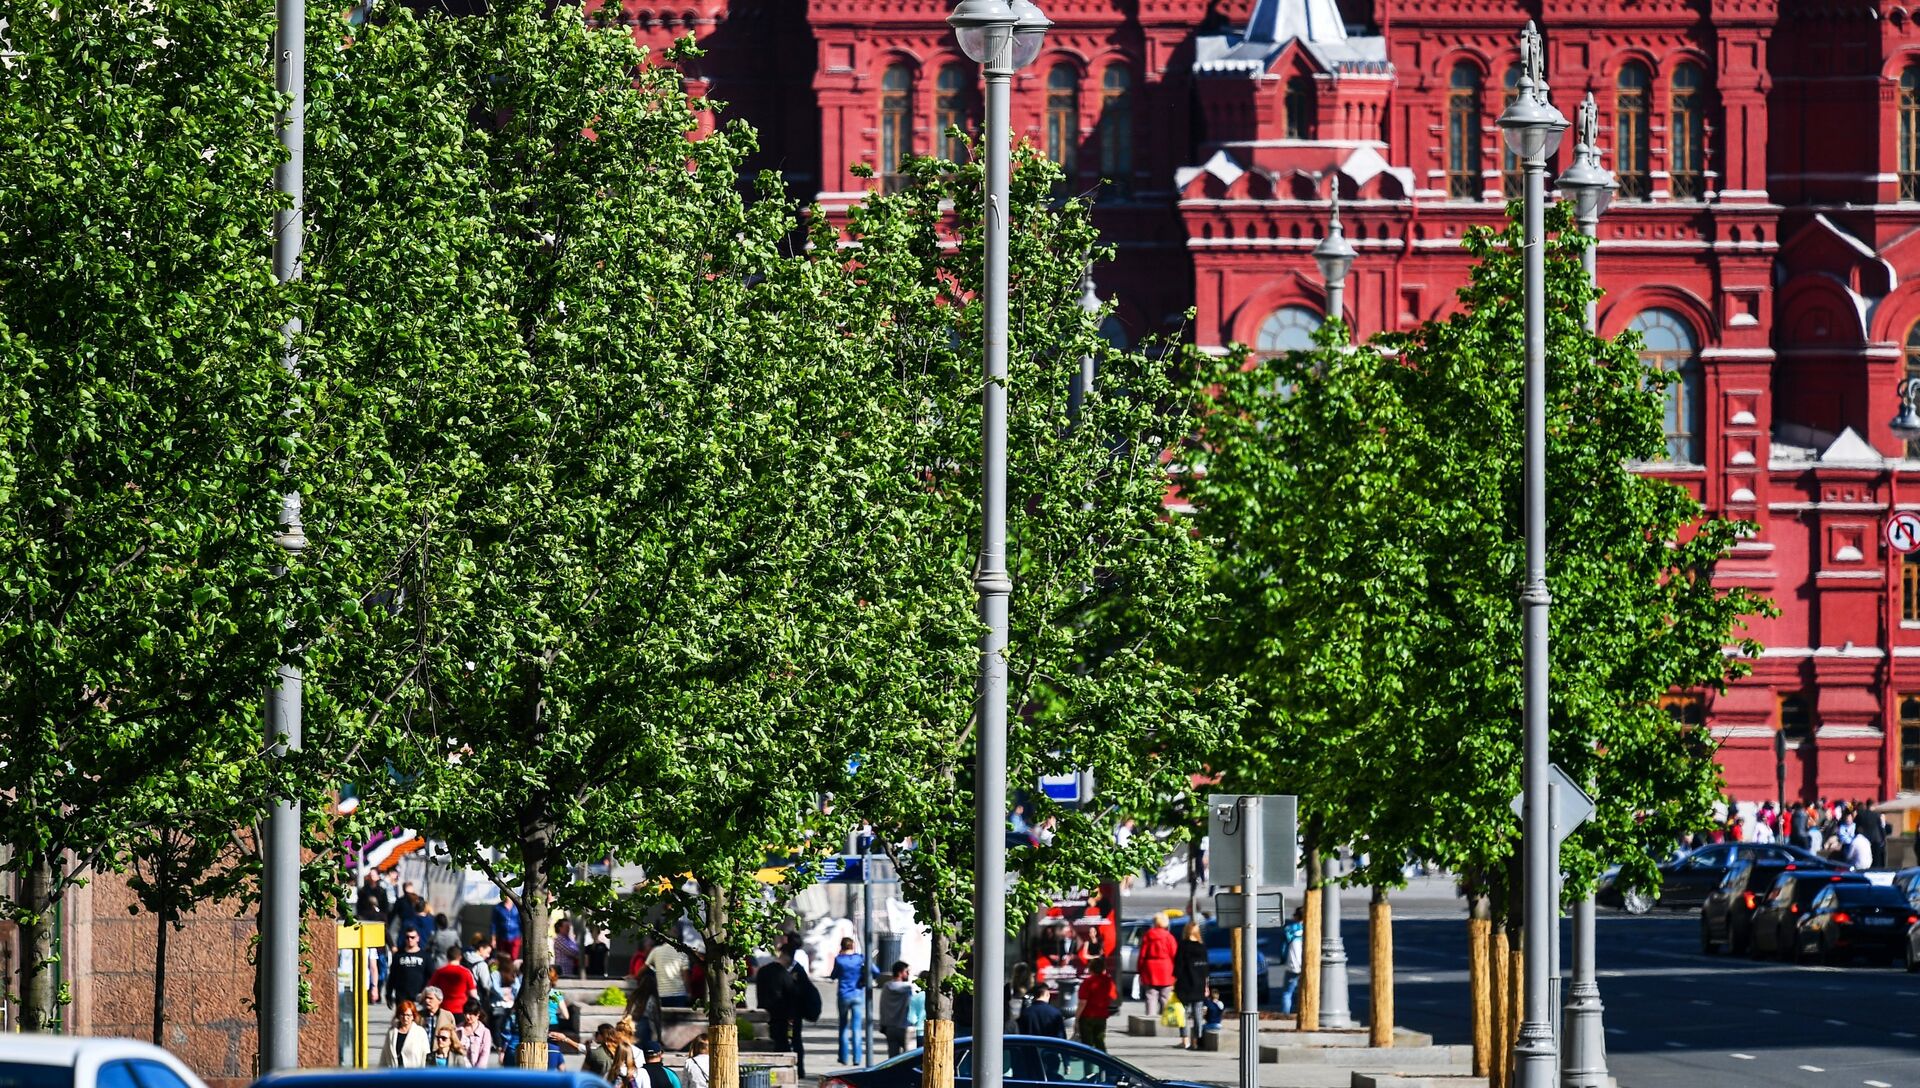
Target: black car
{"points": [[1687, 879], [1848, 920], [1029, 1061], [1727, 915], [1776, 923], [1908, 881]]}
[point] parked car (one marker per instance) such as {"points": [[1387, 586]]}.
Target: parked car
{"points": [[71, 1061], [1848, 920], [1687, 878], [1029, 1062], [1727, 915], [1776, 923], [1908, 883]]}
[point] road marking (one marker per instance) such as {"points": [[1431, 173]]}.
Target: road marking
{"points": [[1616, 1031], [1676, 1046], [1768, 1012], [1905, 1035], [1876, 1084], [1742, 1057], [1838, 1023], [1697, 1001], [1420, 978], [1813, 1069]]}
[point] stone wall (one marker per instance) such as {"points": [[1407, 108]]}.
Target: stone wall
{"points": [[209, 1009]]}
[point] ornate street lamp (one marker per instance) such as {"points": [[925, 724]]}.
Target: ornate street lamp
{"points": [[1335, 256], [1906, 422], [1002, 37], [1533, 129]]}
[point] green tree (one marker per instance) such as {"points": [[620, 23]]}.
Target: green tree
{"points": [[1102, 580], [608, 497], [1368, 503], [143, 419]]}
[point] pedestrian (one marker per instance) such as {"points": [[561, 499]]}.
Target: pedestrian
{"points": [[1293, 944], [644, 1005], [455, 980], [1019, 991], [670, 975], [1041, 1016], [445, 944], [1868, 825], [657, 1074], [1190, 973], [803, 1005], [407, 1045], [506, 991], [695, 1072], [506, 927], [433, 1010], [1099, 999], [409, 973], [1211, 1014], [1157, 952], [476, 1038], [1859, 852], [1797, 826], [896, 1002], [446, 1052], [601, 1054], [626, 1060], [850, 972], [566, 950]]}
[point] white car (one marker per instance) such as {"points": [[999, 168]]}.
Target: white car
{"points": [[69, 1061]]}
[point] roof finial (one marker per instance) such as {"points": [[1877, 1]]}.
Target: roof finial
{"points": [[1533, 64], [1589, 126]]}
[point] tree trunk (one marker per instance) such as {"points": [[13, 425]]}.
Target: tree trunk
{"points": [[1480, 983], [1309, 994], [937, 1063], [160, 979], [38, 1002], [536, 950], [723, 1033], [1516, 976], [1501, 963], [1380, 970]]}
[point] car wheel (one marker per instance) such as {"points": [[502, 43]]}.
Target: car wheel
{"points": [[1708, 946], [1635, 901], [1913, 966]]}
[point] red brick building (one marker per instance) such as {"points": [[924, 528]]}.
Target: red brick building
{"points": [[1769, 159]]}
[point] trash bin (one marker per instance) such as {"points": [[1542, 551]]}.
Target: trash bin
{"points": [[756, 1076], [885, 955]]}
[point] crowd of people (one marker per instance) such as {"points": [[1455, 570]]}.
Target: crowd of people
{"points": [[1845, 831]]}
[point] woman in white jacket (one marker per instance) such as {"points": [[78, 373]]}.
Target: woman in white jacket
{"points": [[407, 1043]]}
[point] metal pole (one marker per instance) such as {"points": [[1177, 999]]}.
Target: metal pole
{"points": [[866, 948], [1337, 299], [280, 874], [1334, 1015], [1534, 1050], [995, 586], [1250, 941], [1584, 1059], [1082, 386]]}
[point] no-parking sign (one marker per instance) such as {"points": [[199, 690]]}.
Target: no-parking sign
{"points": [[1903, 531]]}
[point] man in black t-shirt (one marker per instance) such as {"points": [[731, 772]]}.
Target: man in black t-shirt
{"points": [[409, 973]]}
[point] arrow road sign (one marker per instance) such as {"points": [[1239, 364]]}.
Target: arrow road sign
{"points": [[1567, 804]]}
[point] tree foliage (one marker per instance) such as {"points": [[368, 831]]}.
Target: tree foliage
{"points": [[1369, 504]]}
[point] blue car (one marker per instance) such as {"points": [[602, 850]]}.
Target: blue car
{"points": [[430, 1078], [1031, 1061]]}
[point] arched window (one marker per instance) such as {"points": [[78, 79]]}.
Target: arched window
{"points": [[1910, 133], [1668, 344], [1299, 106], [896, 121], [1630, 131], [1687, 161], [1290, 328], [1063, 119], [1116, 129], [953, 109], [1513, 174], [1463, 133]]}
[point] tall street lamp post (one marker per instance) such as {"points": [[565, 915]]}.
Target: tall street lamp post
{"points": [[280, 873], [1002, 37], [1533, 129], [1334, 254], [1583, 1043]]}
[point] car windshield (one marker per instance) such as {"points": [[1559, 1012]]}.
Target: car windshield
{"points": [[25, 1075], [1870, 895]]}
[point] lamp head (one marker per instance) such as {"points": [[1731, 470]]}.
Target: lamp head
{"points": [[1334, 254], [1533, 127], [1906, 422], [983, 27], [1030, 26]]}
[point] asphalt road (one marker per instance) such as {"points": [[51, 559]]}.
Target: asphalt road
{"points": [[1676, 1017]]}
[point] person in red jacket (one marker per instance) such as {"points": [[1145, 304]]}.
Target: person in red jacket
{"points": [[456, 986], [1099, 999], [1157, 951]]}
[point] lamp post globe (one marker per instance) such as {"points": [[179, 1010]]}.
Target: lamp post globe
{"points": [[1906, 423], [981, 26], [1030, 26], [1334, 254], [1587, 185], [1533, 127]]}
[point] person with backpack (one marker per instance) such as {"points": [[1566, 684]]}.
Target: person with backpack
{"points": [[805, 1007], [1293, 939]]}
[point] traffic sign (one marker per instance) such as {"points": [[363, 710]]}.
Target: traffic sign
{"points": [[1279, 839], [1903, 531], [1568, 806], [1229, 910]]}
